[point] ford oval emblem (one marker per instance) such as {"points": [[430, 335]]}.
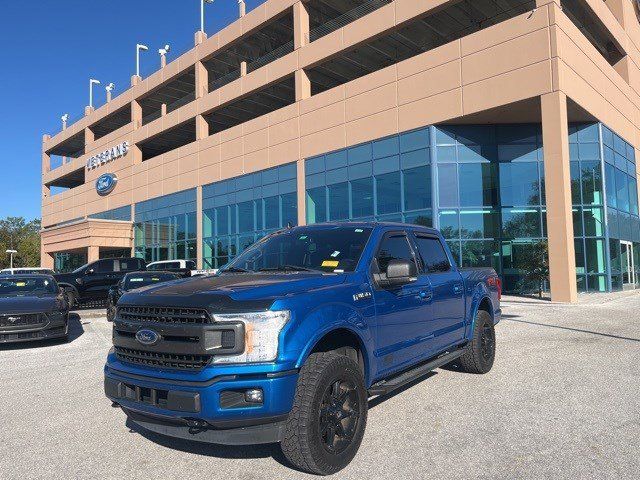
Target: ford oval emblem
{"points": [[106, 183], [147, 337]]}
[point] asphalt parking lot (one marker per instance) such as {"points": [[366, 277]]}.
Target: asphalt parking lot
{"points": [[563, 401]]}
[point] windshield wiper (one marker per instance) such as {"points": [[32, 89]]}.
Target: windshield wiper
{"points": [[235, 270], [287, 268]]}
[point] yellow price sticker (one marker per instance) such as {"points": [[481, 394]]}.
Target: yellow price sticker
{"points": [[330, 263], [20, 284]]}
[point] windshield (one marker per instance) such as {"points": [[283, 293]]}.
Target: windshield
{"points": [[27, 286], [330, 249], [139, 281]]}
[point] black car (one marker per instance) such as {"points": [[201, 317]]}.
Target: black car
{"points": [[32, 307], [91, 282], [132, 281]]}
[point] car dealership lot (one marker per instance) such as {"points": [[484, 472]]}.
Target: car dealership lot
{"points": [[561, 402]]}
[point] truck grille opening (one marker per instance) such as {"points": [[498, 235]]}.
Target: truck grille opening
{"points": [[164, 360], [22, 320], [191, 316]]}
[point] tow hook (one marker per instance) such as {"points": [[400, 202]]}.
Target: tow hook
{"points": [[196, 424]]}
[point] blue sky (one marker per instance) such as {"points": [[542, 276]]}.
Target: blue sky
{"points": [[48, 51]]}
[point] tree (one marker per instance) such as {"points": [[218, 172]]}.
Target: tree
{"points": [[18, 234], [534, 262]]}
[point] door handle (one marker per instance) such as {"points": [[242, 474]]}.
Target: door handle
{"points": [[457, 288]]}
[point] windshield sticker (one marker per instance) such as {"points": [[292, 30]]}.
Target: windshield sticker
{"points": [[21, 284], [337, 270], [155, 279], [136, 279], [359, 230], [330, 263], [335, 254], [302, 237]]}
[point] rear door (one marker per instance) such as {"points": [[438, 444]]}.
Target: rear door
{"points": [[448, 291], [98, 278], [403, 312]]}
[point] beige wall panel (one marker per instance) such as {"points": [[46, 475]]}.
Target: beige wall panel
{"points": [[322, 119], [367, 83], [430, 82], [408, 9], [255, 125], [171, 169], [378, 21], [321, 48], [210, 156], [253, 18], [232, 133], [284, 131], [527, 82], [230, 91], [428, 60], [323, 99], [253, 80], [284, 153], [231, 168], [155, 189], [430, 110], [323, 141], [209, 174], [508, 56], [374, 126], [258, 160], [283, 114], [372, 102], [255, 141], [282, 67], [188, 163], [231, 149]]}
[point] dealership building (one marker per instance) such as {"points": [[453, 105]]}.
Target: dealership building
{"points": [[510, 125]]}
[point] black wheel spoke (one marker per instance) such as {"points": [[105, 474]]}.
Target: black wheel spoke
{"points": [[339, 415]]}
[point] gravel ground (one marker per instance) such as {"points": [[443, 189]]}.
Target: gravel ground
{"points": [[563, 401]]}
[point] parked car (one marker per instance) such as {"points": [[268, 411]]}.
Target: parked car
{"points": [[183, 267], [288, 342], [132, 281], [32, 307], [26, 271], [91, 282]]}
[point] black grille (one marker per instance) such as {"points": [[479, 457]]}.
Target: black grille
{"points": [[165, 360], [190, 316], [21, 320], [6, 337]]}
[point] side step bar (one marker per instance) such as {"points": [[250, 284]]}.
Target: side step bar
{"points": [[385, 386]]}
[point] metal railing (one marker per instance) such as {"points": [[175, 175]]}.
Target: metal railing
{"points": [[273, 55], [346, 18], [228, 78]]}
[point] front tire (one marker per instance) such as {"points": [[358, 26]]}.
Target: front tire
{"points": [[329, 415], [70, 297], [481, 352], [111, 310]]}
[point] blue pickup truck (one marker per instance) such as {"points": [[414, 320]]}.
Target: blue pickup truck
{"points": [[288, 342]]}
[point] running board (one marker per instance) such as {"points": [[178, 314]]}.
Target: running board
{"points": [[385, 386]]}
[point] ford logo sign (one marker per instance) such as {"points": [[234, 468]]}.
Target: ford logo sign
{"points": [[106, 183], [147, 337]]}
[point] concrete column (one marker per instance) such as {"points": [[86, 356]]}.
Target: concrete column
{"points": [[624, 67], [136, 114], [302, 194], [108, 96], [243, 69], [303, 85], [202, 128], [89, 138], [88, 110], [136, 153], [199, 37], [135, 80], [46, 162], [557, 177], [300, 25], [46, 259], [163, 61], [242, 8], [93, 253], [202, 80], [199, 260], [163, 109]]}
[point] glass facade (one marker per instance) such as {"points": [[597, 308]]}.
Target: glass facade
{"points": [[64, 262], [121, 213], [485, 183], [239, 211], [166, 227]]}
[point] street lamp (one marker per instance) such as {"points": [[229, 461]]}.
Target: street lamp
{"points": [[92, 82], [163, 54], [139, 48], [11, 252], [109, 88], [202, 2], [65, 119]]}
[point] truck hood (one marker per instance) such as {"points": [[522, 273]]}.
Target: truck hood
{"points": [[27, 304], [231, 291]]}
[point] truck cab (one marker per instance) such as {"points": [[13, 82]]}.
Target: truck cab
{"points": [[288, 341]]}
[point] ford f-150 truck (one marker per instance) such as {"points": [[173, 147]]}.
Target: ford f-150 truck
{"points": [[289, 340]]}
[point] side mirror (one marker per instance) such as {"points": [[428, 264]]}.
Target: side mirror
{"points": [[90, 271], [401, 272]]}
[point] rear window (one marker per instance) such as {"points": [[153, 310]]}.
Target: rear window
{"points": [[434, 257]]}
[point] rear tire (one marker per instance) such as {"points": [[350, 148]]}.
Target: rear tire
{"points": [[481, 352], [329, 415]]}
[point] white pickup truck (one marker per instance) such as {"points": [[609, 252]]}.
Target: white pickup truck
{"points": [[187, 268]]}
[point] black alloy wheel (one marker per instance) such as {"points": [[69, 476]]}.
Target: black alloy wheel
{"points": [[339, 416]]}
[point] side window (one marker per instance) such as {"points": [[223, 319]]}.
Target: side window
{"points": [[394, 246], [128, 265], [433, 254], [103, 266]]}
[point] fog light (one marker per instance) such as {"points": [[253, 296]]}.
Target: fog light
{"points": [[253, 396]]}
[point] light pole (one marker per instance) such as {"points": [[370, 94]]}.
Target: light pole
{"points": [[92, 82], [163, 54], [202, 2], [139, 48], [11, 252]]}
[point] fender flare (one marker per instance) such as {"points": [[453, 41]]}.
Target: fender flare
{"points": [[476, 307]]}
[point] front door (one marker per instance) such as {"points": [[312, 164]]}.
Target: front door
{"points": [[628, 266], [403, 312]]}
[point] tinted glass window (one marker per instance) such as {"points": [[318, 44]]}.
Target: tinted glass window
{"points": [[394, 247], [433, 255], [191, 265], [103, 266]]}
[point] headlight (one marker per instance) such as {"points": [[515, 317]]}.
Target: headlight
{"points": [[261, 331]]}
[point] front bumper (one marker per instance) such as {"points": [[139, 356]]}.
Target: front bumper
{"points": [[196, 410], [49, 329]]}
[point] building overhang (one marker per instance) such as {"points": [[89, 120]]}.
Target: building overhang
{"points": [[87, 233]]}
